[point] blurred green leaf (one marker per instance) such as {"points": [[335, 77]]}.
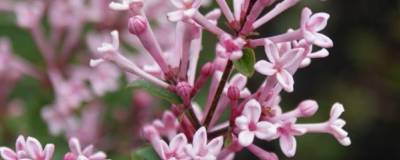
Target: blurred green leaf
{"points": [[156, 91], [245, 65], [145, 153]]}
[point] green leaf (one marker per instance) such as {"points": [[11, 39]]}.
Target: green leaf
{"points": [[156, 91], [145, 153], [245, 65]]}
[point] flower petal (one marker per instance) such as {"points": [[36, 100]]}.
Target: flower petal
{"points": [[199, 139], [215, 145], [178, 3], [265, 130], [75, 146], [323, 41], [265, 68], [286, 80], [271, 50], [336, 111], [48, 151], [8, 154], [288, 145], [175, 16], [238, 80], [318, 22], [290, 57], [20, 143], [252, 110], [98, 156], [242, 122], [178, 142], [34, 147], [246, 138]]}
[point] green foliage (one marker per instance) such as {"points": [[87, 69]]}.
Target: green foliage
{"points": [[145, 153], [156, 91], [245, 65]]}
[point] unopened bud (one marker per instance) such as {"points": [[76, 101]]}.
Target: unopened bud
{"points": [[207, 69], [307, 108], [137, 25], [184, 89], [150, 132], [233, 93]]}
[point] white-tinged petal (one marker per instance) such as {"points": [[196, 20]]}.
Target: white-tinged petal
{"points": [[246, 138], [306, 62], [336, 110], [215, 145], [288, 145], [98, 156], [345, 141], [238, 80], [265, 130], [34, 147], [271, 50], [252, 110], [75, 146], [290, 57], [286, 80], [319, 54], [178, 3], [20, 143], [318, 21], [265, 68], [323, 41], [8, 154], [199, 139], [175, 16], [178, 142], [235, 55], [242, 122], [48, 151]]}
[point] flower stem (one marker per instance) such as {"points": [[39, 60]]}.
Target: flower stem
{"points": [[218, 93]]}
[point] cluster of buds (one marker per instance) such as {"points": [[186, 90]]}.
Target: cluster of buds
{"points": [[193, 131], [32, 149]]}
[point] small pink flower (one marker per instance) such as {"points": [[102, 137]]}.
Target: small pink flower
{"points": [[186, 9], [76, 152], [312, 24], [201, 149], [229, 48], [175, 149], [250, 125], [168, 126], [336, 125], [286, 132], [29, 149], [278, 65]]}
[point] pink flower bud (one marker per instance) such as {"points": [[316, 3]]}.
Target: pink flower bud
{"points": [[207, 69], [233, 93], [184, 89], [137, 25], [307, 108]]}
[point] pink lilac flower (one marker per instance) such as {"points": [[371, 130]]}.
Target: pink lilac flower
{"points": [[168, 126], [230, 48], [201, 149], [78, 153], [278, 64], [250, 125], [175, 149], [286, 132], [312, 24], [28, 149], [186, 9]]}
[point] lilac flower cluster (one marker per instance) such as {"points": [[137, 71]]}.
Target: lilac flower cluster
{"points": [[168, 36], [31, 149]]}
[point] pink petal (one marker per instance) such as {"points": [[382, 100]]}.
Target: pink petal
{"points": [[196, 3], [98, 156], [305, 16], [318, 22], [20, 143], [290, 57], [75, 146], [88, 150], [235, 55], [265, 68], [336, 111], [48, 151], [8, 154], [323, 41], [319, 54], [175, 16], [252, 110], [178, 3], [178, 142], [286, 80], [215, 145], [246, 138], [199, 139], [170, 120], [306, 62], [163, 148], [242, 122], [239, 81], [271, 50], [34, 147], [265, 130], [288, 145]]}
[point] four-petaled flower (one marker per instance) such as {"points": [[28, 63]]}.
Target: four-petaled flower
{"points": [[311, 25], [286, 132], [336, 125], [175, 149], [279, 64], [186, 9], [229, 48], [76, 152], [201, 149], [250, 125]]}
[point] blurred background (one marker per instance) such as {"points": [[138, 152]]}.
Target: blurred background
{"points": [[362, 72]]}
